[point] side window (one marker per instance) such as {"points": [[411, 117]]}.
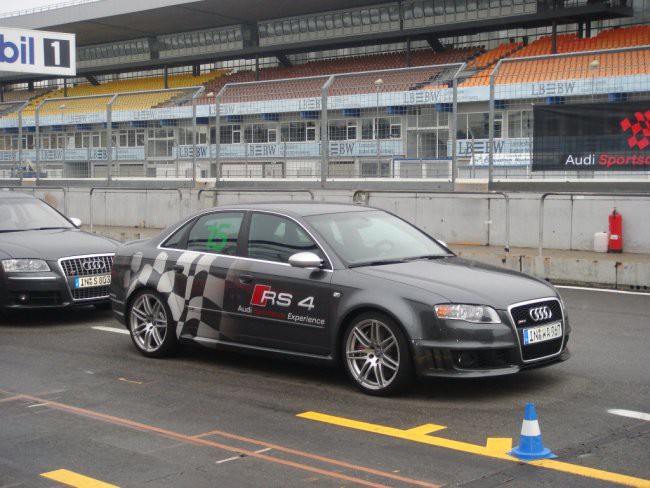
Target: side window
{"points": [[275, 238], [216, 233], [177, 239]]}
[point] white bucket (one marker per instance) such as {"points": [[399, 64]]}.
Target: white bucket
{"points": [[601, 240]]}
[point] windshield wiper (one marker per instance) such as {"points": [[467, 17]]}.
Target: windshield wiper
{"points": [[377, 262], [428, 257], [49, 228]]}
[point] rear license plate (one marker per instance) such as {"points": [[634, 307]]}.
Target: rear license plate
{"points": [[90, 281], [542, 333]]}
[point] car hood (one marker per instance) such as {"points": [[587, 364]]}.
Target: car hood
{"points": [[464, 281], [53, 244]]}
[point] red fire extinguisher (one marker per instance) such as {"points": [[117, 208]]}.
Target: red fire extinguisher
{"points": [[615, 243]]}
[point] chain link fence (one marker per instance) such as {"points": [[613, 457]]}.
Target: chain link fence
{"points": [[580, 116]]}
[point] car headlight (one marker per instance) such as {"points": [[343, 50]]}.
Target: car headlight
{"points": [[480, 314], [24, 265]]}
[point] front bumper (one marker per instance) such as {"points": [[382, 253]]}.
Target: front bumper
{"points": [[24, 291], [461, 349], [459, 362]]}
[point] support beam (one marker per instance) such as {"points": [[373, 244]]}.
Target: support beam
{"points": [[284, 61], [92, 80], [554, 38], [435, 44]]}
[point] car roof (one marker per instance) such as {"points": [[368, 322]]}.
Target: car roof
{"points": [[300, 208]]}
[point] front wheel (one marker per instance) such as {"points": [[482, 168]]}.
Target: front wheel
{"points": [[376, 355], [150, 324]]}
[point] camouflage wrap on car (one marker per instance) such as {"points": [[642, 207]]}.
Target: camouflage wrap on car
{"points": [[188, 292]]}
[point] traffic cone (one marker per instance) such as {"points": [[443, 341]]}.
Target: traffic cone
{"points": [[530, 446]]}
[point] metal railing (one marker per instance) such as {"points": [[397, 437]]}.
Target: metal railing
{"points": [[217, 191], [46, 8], [363, 197], [109, 189], [417, 124]]}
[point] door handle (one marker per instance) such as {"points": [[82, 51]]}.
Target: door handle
{"points": [[245, 278], [178, 268]]}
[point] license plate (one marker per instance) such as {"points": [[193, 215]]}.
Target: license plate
{"points": [[89, 281], [542, 333]]}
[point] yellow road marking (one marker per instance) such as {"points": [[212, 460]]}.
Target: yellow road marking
{"points": [[71, 478], [494, 448]]}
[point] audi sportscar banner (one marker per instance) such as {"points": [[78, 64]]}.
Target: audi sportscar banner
{"points": [[592, 137]]}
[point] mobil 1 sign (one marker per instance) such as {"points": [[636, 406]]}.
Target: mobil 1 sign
{"points": [[40, 52]]}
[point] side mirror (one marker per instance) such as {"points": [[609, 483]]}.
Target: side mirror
{"points": [[75, 221], [305, 260]]}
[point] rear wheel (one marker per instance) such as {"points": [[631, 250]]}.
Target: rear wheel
{"points": [[150, 324], [376, 355]]}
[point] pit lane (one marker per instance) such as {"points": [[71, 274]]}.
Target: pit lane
{"points": [[76, 398]]}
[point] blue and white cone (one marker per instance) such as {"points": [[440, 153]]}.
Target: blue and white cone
{"points": [[530, 446]]}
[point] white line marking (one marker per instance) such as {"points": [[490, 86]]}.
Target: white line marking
{"points": [[37, 405], [234, 458], [629, 413], [227, 459], [111, 329], [605, 290]]}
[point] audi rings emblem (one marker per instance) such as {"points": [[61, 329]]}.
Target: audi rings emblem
{"points": [[93, 266], [540, 313]]}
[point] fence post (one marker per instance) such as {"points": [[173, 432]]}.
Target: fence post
{"points": [[20, 135], [324, 132], [194, 96], [217, 133]]}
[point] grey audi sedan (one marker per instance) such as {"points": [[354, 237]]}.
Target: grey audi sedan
{"points": [[334, 284], [46, 261]]}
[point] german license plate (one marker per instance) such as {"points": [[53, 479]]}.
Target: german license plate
{"points": [[90, 281], [542, 333]]}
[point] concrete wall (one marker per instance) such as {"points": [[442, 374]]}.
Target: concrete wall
{"points": [[569, 223]]}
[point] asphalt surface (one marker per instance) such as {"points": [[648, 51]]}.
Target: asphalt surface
{"points": [[81, 399]]}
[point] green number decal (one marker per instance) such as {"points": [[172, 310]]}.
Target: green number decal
{"points": [[217, 239]]}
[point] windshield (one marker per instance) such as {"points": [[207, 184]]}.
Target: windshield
{"points": [[18, 214], [374, 237]]}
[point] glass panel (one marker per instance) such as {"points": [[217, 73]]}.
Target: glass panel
{"points": [[275, 238], [216, 233]]}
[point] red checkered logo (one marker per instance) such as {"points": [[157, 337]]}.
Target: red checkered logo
{"points": [[640, 130]]}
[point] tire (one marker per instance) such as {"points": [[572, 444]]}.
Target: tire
{"points": [[152, 330], [376, 355]]}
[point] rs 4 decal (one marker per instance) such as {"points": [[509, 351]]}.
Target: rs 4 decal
{"points": [[264, 295]]}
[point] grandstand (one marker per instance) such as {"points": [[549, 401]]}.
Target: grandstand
{"points": [[353, 90]]}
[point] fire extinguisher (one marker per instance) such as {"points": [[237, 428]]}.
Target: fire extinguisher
{"points": [[615, 243]]}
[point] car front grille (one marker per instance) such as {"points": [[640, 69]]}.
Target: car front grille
{"points": [[99, 264], [520, 314]]}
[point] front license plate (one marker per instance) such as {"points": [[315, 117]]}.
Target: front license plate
{"points": [[542, 333], [89, 281]]}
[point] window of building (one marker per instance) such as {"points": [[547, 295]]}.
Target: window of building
{"points": [[230, 134]]}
